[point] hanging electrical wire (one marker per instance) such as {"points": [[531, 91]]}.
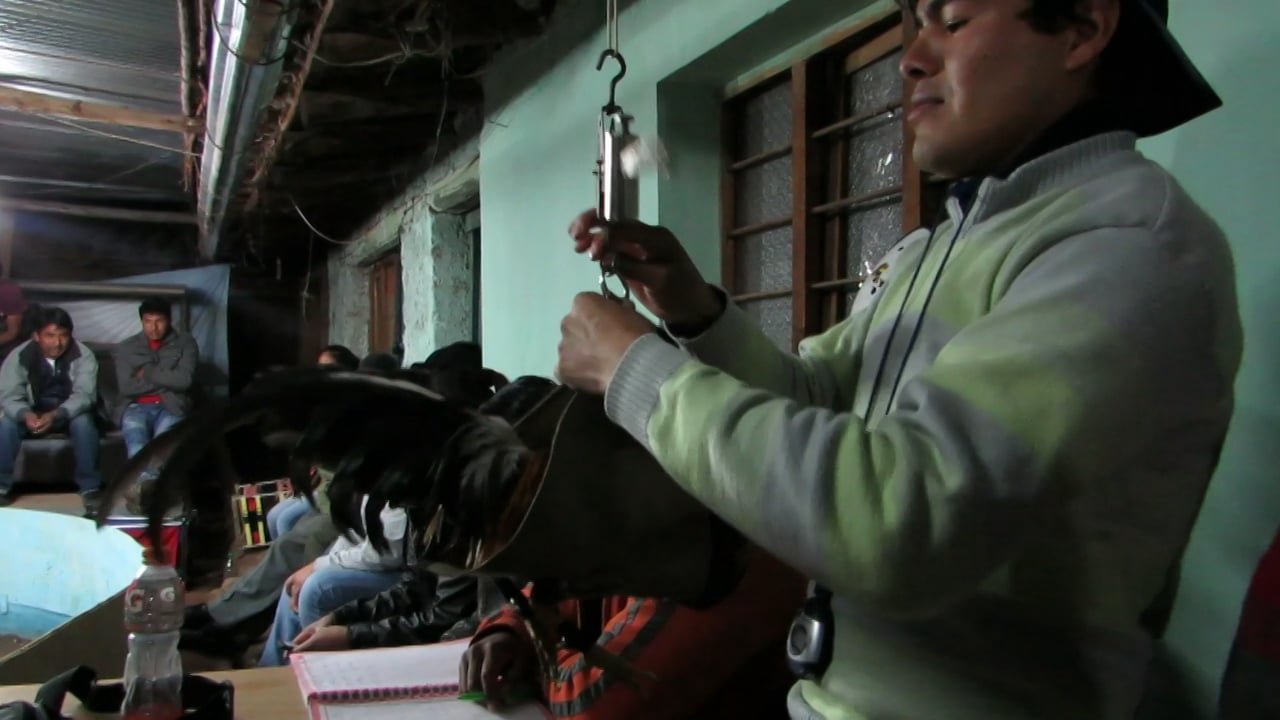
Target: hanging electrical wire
{"points": [[313, 227]]}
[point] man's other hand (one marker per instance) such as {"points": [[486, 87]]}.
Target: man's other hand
{"points": [[502, 665]]}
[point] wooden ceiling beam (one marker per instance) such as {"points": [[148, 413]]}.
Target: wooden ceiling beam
{"points": [[342, 49], [12, 98], [360, 132], [320, 108], [103, 213], [412, 83]]}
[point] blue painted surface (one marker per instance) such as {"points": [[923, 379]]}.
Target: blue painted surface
{"points": [[55, 567], [28, 622]]}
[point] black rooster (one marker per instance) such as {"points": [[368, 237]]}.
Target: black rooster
{"points": [[536, 483]]}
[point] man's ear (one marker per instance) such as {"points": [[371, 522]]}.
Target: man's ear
{"points": [[1091, 31]]}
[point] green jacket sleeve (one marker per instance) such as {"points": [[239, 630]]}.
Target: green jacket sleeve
{"points": [[1041, 396], [15, 398]]}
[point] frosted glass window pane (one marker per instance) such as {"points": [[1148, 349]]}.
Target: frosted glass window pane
{"points": [[763, 262]]}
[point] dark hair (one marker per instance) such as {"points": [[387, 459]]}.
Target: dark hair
{"points": [[380, 361], [1052, 16], [460, 354], [155, 306], [53, 316], [342, 356], [1046, 16]]}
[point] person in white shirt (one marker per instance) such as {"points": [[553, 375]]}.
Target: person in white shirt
{"points": [[348, 571]]}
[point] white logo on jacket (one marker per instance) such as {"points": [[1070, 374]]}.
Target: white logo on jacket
{"points": [[877, 276]]}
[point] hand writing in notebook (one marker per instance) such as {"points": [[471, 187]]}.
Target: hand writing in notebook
{"points": [[503, 666], [322, 635], [414, 681]]}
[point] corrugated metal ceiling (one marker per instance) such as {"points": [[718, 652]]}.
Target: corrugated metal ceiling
{"points": [[119, 52]]}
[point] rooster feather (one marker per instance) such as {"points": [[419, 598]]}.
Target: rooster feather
{"points": [[388, 436]]}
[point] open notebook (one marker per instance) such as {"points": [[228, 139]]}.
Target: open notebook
{"points": [[419, 681]]}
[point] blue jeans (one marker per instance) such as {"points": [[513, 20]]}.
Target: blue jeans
{"points": [[325, 591], [285, 514], [143, 421], [84, 442]]}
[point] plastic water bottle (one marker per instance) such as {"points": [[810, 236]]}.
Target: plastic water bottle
{"points": [[153, 610]]}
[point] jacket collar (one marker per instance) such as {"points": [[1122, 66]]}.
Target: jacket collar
{"points": [[169, 338], [30, 354], [1068, 150]]}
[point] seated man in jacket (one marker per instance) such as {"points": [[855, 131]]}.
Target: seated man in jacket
{"points": [[424, 608], [50, 384], [155, 371]]}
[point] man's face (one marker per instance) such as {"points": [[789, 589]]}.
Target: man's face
{"points": [[326, 360], [986, 84], [155, 326], [53, 340]]}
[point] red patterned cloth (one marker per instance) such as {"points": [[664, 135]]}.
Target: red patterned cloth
{"points": [[1259, 631]]}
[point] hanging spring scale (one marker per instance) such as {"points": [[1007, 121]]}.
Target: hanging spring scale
{"points": [[617, 192]]}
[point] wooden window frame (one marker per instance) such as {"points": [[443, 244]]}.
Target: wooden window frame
{"points": [[818, 85], [386, 297]]}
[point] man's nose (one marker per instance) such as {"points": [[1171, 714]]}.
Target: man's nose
{"points": [[919, 60]]}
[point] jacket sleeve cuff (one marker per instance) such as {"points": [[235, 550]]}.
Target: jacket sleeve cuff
{"points": [[633, 392], [506, 620], [362, 635], [61, 414], [347, 615], [722, 336]]}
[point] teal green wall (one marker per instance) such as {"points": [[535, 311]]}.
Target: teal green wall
{"points": [[538, 148], [1230, 162], [538, 151]]}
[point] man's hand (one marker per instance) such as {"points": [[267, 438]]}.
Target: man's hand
{"points": [[653, 264], [322, 635], [39, 423], [593, 338], [293, 586], [500, 665]]}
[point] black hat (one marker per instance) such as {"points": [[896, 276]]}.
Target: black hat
{"points": [[1151, 82]]}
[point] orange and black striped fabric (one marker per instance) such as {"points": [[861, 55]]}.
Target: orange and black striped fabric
{"points": [[706, 661]]}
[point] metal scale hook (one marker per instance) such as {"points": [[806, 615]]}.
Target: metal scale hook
{"points": [[610, 53], [614, 188]]}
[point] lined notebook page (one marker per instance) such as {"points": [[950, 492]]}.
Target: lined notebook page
{"points": [[426, 710], [332, 674]]}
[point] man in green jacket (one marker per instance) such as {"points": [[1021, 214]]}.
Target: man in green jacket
{"points": [[991, 468], [50, 384]]}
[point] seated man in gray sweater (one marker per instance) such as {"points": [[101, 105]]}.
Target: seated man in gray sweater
{"points": [[50, 384], [155, 370]]}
